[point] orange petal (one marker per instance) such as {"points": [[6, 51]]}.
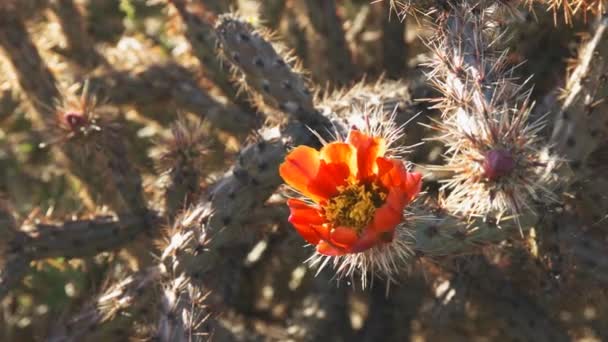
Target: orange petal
{"points": [[368, 149], [412, 185], [343, 236], [307, 232], [300, 167], [391, 172], [326, 248], [329, 178], [340, 153], [368, 240], [390, 214], [303, 213]]}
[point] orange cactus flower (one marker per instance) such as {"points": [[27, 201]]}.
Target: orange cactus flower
{"points": [[357, 194]]}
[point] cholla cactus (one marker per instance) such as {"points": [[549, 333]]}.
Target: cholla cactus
{"points": [[186, 170]]}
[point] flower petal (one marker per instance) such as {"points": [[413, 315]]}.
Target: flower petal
{"points": [[307, 232], [366, 241], [390, 214], [368, 150], [326, 248], [343, 236], [341, 153], [412, 185], [392, 173], [329, 178], [303, 213], [300, 167]]}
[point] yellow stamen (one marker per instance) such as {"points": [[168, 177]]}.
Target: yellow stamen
{"points": [[354, 206]]}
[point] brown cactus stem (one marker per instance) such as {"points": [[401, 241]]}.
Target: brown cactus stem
{"points": [[80, 46], [173, 83], [265, 72], [327, 25], [8, 104]]}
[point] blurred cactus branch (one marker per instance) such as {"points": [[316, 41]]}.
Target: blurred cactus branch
{"points": [[78, 238], [33, 75], [271, 12], [40, 86], [580, 122], [118, 303], [523, 317], [80, 45], [14, 267], [202, 38], [321, 314], [393, 44], [71, 239], [220, 6], [171, 82], [324, 19]]}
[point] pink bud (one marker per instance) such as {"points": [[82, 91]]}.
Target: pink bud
{"points": [[74, 120], [498, 163]]}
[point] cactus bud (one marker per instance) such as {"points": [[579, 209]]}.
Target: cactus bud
{"points": [[498, 163]]}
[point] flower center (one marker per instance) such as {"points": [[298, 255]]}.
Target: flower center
{"points": [[355, 205]]}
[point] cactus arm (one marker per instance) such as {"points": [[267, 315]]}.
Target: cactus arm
{"points": [[202, 37], [267, 74]]}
